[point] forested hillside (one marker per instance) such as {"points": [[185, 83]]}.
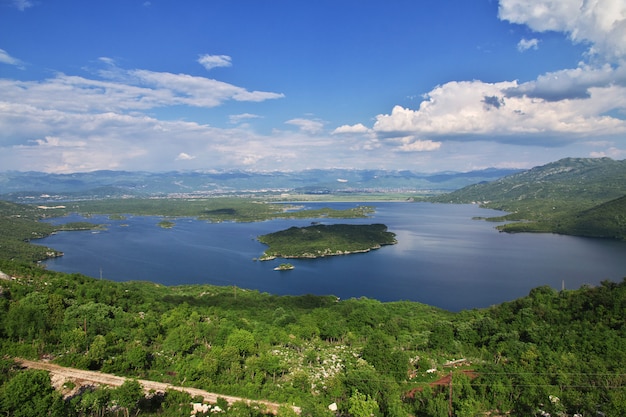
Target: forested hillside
{"points": [[569, 196], [553, 352]]}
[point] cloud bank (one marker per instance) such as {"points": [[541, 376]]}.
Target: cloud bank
{"points": [[114, 118]]}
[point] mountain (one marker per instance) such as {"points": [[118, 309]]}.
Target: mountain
{"points": [[21, 186], [577, 196]]}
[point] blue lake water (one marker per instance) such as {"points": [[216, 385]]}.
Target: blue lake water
{"points": [[443, 257]]}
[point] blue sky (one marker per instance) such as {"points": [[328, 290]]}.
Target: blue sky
{"points": [[427, 85]]}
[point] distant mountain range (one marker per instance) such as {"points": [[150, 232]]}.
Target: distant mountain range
{"points": [[575, 196], [31, 186]]}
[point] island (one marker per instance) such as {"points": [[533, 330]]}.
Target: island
{"points": [[321, 240], [165, 224], [284, 267]]}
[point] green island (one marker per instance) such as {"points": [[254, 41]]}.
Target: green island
{"points": [[166, 224], [284, 267], [321, 240]]}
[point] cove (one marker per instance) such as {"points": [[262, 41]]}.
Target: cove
{"points": [[443, 257]]}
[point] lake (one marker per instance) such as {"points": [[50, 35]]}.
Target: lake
{"points": [[443, 257]]}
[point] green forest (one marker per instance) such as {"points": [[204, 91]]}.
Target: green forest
{"points": [[556, 352]]}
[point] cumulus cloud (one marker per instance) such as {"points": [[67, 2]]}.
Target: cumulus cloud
{"points": [[214, 61], [351, 129], [419, 146], [571, 83], [184, 157], [478, 110], [560, 107], [5, 58], [307, 125], [599, 23], [526, 44]]}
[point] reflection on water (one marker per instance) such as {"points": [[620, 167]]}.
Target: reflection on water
{"points": [[443, 257]]}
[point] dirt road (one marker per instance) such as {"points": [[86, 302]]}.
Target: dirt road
{"points": [[82, 377]]}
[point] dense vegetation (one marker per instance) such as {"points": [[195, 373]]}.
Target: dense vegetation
{"points": [[325, 240], [216, 209], [575, 196], [559, 352], [19, 224]]}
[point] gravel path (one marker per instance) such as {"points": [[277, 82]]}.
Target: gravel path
{"points": [[82, 377]]}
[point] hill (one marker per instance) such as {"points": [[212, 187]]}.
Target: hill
{"points": [[605, 220], [557, 352], [566, 196]]}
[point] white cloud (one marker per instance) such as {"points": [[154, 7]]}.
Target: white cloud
{"points": [[307, 125], [214, 61], [571, 83], [239, 118], [350, 129], [23, 4], [600, 23], [526, 44], [128, 90], [184, 157], [198, 91], [5, 58], [478, 110], [419, 146]]}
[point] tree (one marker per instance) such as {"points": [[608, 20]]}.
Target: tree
{"points": [[97, 352], [128, 395], [380, 354], [30, 394], [243, 341], [360, 405], [26, 319]]}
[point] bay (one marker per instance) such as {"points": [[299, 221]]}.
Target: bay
{"points": [[443, 258]]}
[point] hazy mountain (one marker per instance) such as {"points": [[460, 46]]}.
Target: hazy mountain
{"points": [[18, 186]]}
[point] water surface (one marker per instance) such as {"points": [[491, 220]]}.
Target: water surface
{"points": [[443, 257]]}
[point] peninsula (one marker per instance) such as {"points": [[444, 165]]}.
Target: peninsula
{"points": [[321, 240]]}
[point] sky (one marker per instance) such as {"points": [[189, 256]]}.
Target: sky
{"points": [[287, 85]]}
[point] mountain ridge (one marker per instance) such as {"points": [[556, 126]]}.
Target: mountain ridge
{"points": [[570, 196], [17, 186]]}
